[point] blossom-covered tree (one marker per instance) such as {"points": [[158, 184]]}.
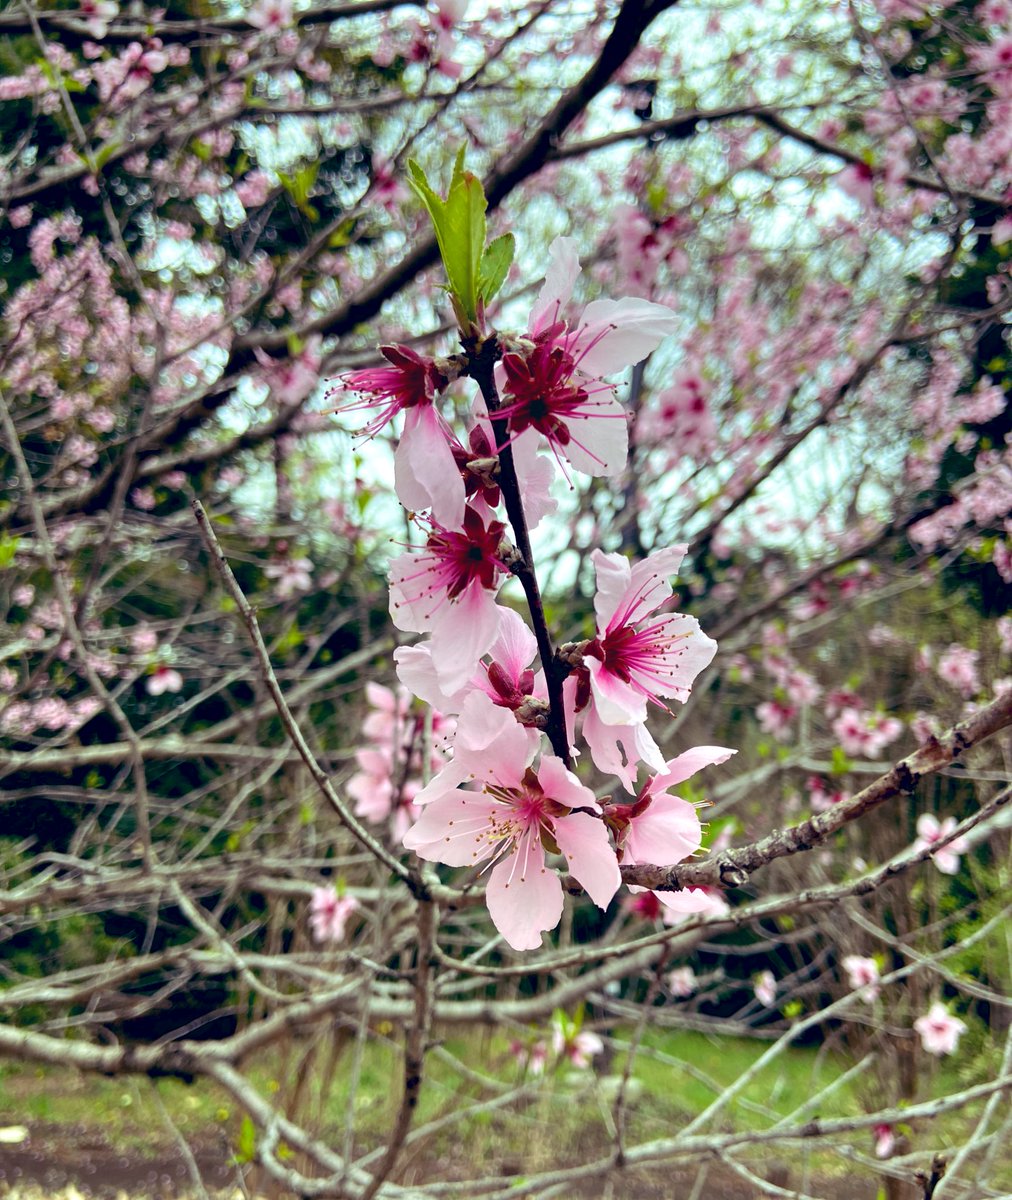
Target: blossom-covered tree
{"points": [[402, 626]]}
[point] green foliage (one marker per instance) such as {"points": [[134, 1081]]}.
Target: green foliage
{"points": [[475, 272]]}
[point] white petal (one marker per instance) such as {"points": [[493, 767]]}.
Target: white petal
{"points": [[425, 473], [563, 271], [620, 333], [524, 897]]}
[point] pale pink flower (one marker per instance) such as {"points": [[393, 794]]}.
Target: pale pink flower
{"points": [[329, 913], [775, 718], [554, 386], [862, 975], [820, 798], [292, 379], [1003, 626], [163, 679], [682, 982], [143, 640], [97, 14], [930, 832], [291, 575], [765, 987], [858, 181], [636, 656], [657, 827], [448, 588], [939, 1030], [270, 15], [425, 471], [505, 821], [531, 1059], [578, 1046], [885, 1141], [958, 667]]}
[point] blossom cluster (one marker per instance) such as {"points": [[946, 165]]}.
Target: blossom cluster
{"points": [[506, 799]]}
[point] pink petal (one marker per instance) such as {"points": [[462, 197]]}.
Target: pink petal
{"points": [[515, 646], [524, 897], [600, 443], [559, 783], [425, 473], [626, 331], [608, 742], [677, 770], [615, 701], [667, 833], [584, 841], [462, 631], [454, 830]]}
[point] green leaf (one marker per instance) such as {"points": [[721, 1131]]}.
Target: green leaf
{"points": [[459, 224], [495, 265], [839, 762], [247, 1144], [8, 548]]}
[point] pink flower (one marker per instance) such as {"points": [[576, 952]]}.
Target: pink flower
{"points": [[629, 665], [97, 14], [930, 833], [885, 1141], [164, 679], [659, 828], [425, 471], [858, 181], [328, 914], [291, 574], [554, 387], [579, 1046], [820, 798], [507, 822], [863, 975], [682, 982], [940, 1031], [448, 589], [410, 381], [270, 15], [958, 667], [775, 718], [765, 986]]}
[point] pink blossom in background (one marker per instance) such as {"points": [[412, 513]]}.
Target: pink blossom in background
{"points": [[270, 15], [97, 14], [862, 975], [885, 1141], [579, 1047], [1003, 626], [820, 798], [958, 667], [163, 679], [531, 1059], [765, 987], [658, 827], [775, 718], [682, 982], [329, 913], [930, 832], [939, 1030], [291, 576]]}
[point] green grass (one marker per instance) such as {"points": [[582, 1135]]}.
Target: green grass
{"points": [[565, 1118]]}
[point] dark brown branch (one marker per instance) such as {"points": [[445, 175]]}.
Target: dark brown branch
{"points": [[481, 364]]}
